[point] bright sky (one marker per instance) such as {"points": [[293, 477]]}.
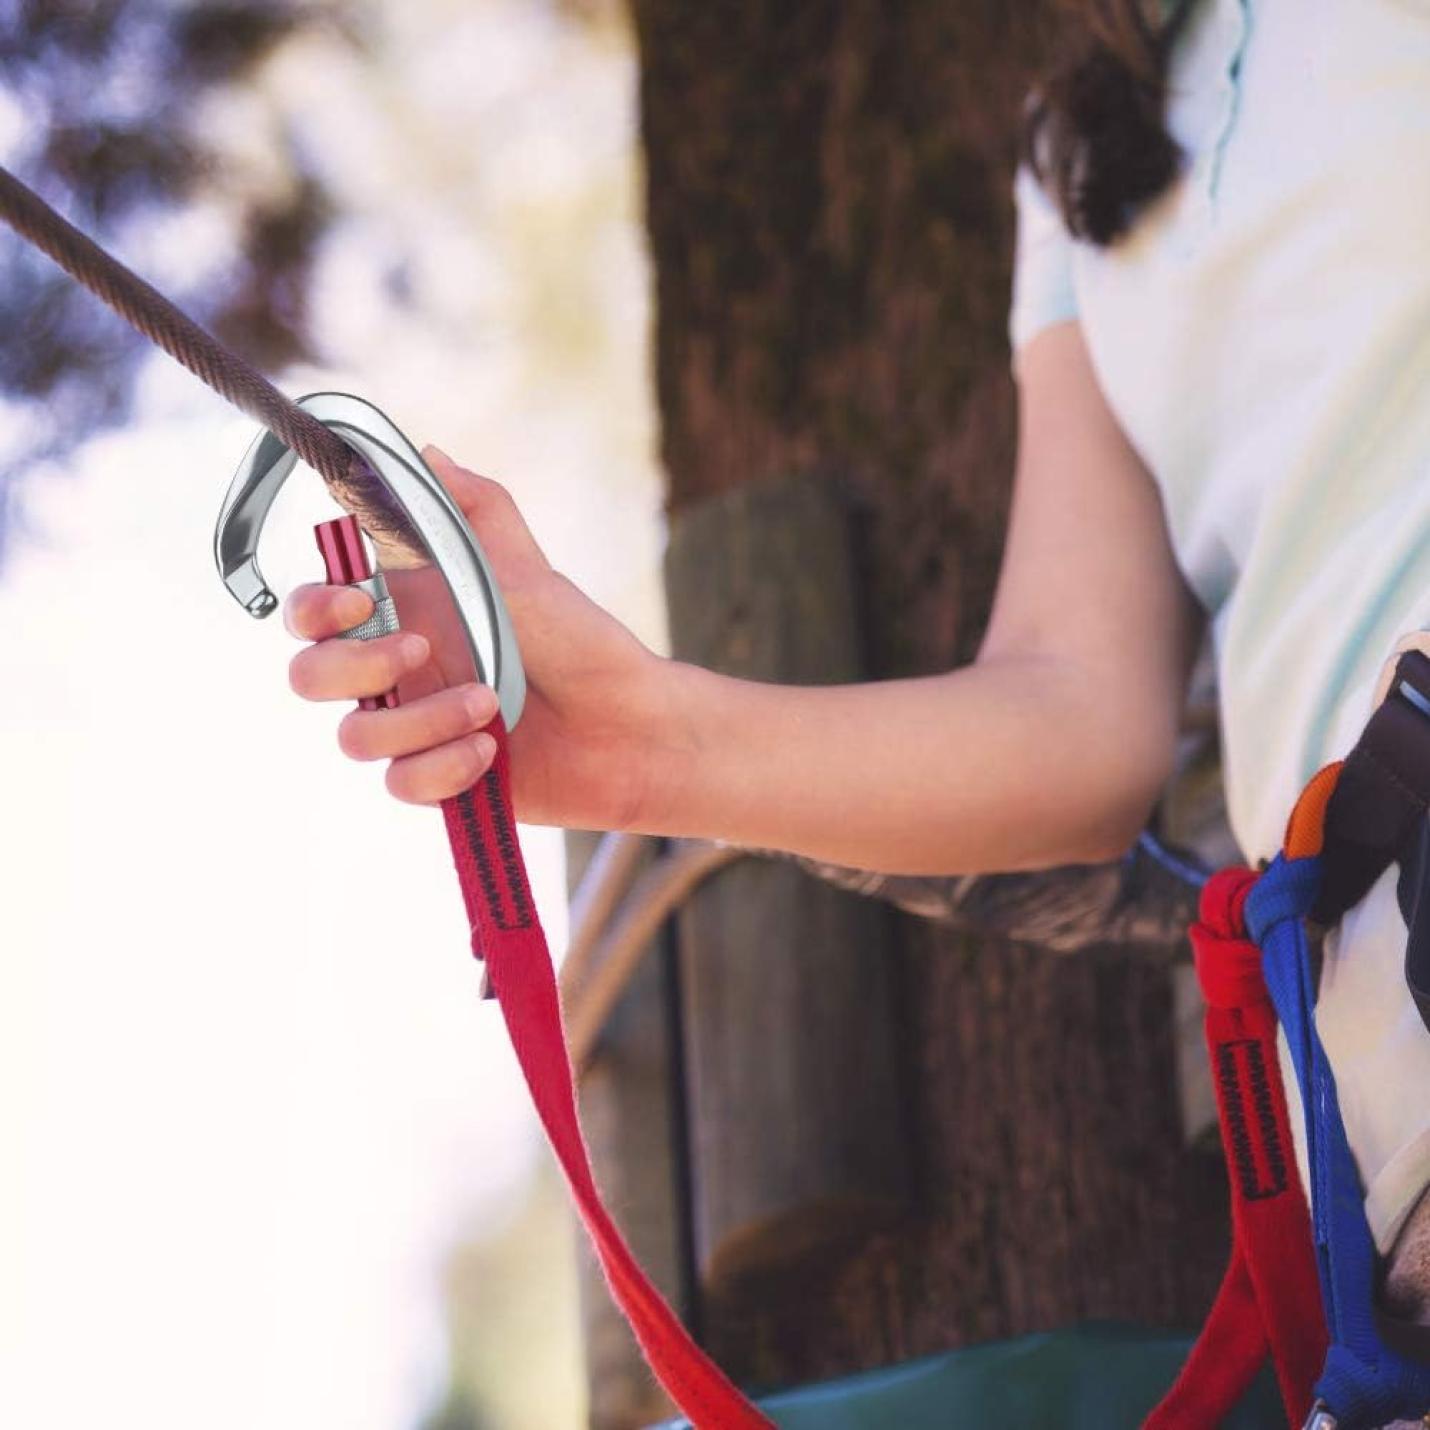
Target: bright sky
{"points": [[248, 1096]]}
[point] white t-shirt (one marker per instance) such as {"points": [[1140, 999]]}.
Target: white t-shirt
{"points": [[1263, 337]]}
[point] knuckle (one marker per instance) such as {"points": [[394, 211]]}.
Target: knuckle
{"points": [[318, 612], [493, 500], [379, 662], [467, 709], [497, 493], [376, 661]]}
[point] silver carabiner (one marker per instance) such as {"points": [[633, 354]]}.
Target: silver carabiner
{"points": [[433, 515], [1320, 1418]]}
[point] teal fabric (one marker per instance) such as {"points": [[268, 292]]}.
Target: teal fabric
{"points": [[1096, 1377]]}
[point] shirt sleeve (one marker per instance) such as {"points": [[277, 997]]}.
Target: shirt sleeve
{"points": [[1042, 264]]}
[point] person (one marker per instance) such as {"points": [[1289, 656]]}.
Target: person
{"points": [[1223, 431]]}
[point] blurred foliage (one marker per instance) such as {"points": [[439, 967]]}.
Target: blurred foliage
{"points": [[600, 15], [459, 1413], [512, 1311], [108, 93]]}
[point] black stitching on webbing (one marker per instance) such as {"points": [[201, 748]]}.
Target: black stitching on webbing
{"points": [[486, 875], [509, 853], [1256, 1075], [1236, 1129], [520, 915], [1238, 1132]]}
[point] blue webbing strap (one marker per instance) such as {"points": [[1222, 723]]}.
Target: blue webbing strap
{"points": [[1364, 1383]]}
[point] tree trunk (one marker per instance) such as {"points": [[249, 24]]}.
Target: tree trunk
{"points": [[830, 215]]}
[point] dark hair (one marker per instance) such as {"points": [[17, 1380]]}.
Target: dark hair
{"points": [[1094, 130]]}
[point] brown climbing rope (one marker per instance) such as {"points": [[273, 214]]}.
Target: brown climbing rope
{"points": [[159, 320]]}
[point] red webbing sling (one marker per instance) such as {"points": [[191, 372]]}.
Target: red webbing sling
{"points": [[1270, 1299], [1326, 1336], [507, 935]]}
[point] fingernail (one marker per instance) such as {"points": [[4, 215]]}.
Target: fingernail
{"points": [[413, 648], [436, 450], [485, 747], [477, 701]]}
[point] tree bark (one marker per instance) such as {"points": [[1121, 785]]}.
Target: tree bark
{"points": [[829, 201]]}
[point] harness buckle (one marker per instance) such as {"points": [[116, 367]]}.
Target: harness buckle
{"points": [[1413, 696], [1320, 1418]]}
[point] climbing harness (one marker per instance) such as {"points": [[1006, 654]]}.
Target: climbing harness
{"points": [[1341, 1362], [376, 471], [1268, 1299]]}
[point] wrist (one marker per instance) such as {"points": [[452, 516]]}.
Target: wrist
{"points": [[676, 748]]}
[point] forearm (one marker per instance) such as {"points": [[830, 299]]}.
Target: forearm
{"points": [[1001, 765]]}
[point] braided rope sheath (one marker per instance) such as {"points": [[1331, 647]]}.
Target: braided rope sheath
{"points": [[144, 308]]}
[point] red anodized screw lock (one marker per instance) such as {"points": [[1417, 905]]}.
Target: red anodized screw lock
{"points": [[345, 556]]}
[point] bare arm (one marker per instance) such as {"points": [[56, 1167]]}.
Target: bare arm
{"points": [[1050, 748]]}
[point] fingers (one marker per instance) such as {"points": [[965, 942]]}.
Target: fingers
{"points": [[417, 725], [434, 742], [348, 670], [494, 516], [434, 775], [467, 488], [314, 613]]}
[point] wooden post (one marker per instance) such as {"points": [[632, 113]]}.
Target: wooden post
{"points": [[787, 986], [632, 1116]]}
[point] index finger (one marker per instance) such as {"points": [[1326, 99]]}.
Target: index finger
{"points": [[316, 612]]}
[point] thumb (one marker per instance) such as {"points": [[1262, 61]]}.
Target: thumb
{"points": [[499, 525]]}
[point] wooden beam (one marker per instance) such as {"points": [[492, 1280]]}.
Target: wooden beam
{"points": [[787, 985], [630, 1113]]}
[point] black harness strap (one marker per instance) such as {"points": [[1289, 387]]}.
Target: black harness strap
{"points": [[1379, 813]]}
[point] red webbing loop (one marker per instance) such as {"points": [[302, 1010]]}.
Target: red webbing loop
{"points": [[1270, 1298], [507, 934]]}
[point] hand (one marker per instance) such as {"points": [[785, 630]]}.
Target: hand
{"points": [[600, 740]]}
